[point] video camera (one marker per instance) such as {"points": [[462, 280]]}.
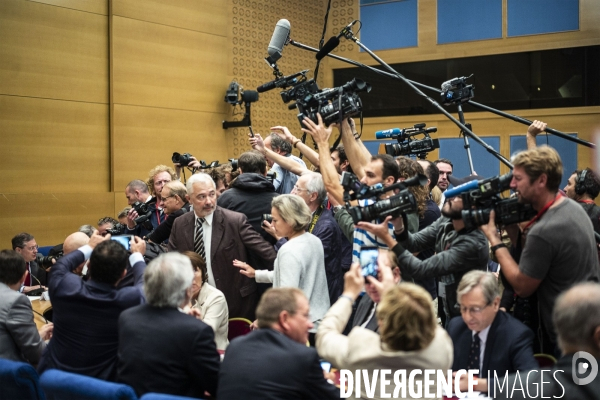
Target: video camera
{"points": [[117, 229], [402, 202], [481, 197], [456, 91], [407, 144], [144, 213], [330, 103]]}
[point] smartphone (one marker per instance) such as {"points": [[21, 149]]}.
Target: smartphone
{"points": [[124, 240], [326, 366], [251, 131], [368, 261]]}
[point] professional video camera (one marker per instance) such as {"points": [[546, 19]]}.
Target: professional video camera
{"points": [[309, 100], [402, 202], [481, 197], [456, 91], [144, 213], [407, 144]]}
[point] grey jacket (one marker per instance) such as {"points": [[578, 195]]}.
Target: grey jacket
{"points": [[456, 254], [19, 337]]}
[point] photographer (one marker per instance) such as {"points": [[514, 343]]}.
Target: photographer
{"points": [[175, 204], [284, 180], [559, 250], [138, 196], [458, 250]]}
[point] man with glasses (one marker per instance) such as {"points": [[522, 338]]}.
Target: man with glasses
{"points": [[174, 202], [221, 236], [25, 245], [485, 339]]}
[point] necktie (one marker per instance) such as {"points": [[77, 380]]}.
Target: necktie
{"points": [[199, 238], [28, 278], [474, 354]]}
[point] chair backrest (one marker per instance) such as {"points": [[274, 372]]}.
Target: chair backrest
{"points": [[545, 360], [48, 314], [161, 396], [60, 385], [19, 380], [44, 250], [238, 327]]}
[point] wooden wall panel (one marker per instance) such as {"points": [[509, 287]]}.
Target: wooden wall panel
{"points": [[161, 66], [53, 146], [146, 137], [91, 6], [50, 217], [53, 52], [202, 16]]}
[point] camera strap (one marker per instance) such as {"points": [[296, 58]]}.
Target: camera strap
{"points": [[540, 213], [315, 218]]}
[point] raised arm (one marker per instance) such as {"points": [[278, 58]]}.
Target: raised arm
{"points": [[309, 153], [357, 153], [287, 163], [331, 179], [534, 129]]}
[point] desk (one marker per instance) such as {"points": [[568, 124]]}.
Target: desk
{"points": [[40, 306]]}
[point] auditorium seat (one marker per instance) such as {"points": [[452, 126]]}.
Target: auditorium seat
{"points": [[60, 385], [19, 380], [238, 327], [161, 396]]}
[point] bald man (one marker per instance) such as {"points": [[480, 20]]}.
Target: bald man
{"points": [[72, 243]]}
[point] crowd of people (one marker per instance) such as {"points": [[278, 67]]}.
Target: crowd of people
{"points": [[283, 251]]}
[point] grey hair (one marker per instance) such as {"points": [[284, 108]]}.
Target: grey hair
{"points": [[278, 143], [166, 280], [87, 229], [482, 279], [200, 177], [293, 210], [576, 315], [137, 184], [176, 188], [315, 184]]}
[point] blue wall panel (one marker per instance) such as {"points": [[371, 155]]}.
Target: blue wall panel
{"points": [[542, 16], [389, 25], [485, 164], [466, 20], [566, 149]]}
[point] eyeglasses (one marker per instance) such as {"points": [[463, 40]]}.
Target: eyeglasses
{"points": [[299, 189], [473, 310], [30, 248], [167, 197]]}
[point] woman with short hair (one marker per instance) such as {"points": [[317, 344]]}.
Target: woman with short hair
{"points": [[300, 261]]}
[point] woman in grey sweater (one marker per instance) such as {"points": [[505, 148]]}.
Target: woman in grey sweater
{"points": [[300, 261]]}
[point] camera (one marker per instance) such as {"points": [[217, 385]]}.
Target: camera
{"points": [[481, 197], [402, 202], [271, 175], [47, 261], [333, 104], [456, 91], [182, 159], [117, 229], [267, 217], [407, 144], [234, 163], [144, 213]]}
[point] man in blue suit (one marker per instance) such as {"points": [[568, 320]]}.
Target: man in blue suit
{"points": [[86, 313], [485, 339]]}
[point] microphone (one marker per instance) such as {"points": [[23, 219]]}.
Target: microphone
{"points": [[465, 187], [281, 82], [279, 39], [333, 41], [394, 133]]}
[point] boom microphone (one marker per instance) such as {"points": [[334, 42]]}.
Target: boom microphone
{"points": [[279, 39], [281, 82], [333, 41], [394, 133]]}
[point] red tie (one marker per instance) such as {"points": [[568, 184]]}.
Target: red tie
{"points": [[28, 278]]}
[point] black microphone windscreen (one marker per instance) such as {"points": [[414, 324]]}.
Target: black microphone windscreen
{"points": [[265, 87], [280, 36], [249, 96], [331, 44]]}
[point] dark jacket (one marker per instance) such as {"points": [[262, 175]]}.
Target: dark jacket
{"points": [[337, 250], [266, 364], [156, 218], [250, 194], [163, 231], [166, 351]]}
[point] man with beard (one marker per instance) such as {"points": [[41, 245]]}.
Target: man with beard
{"points": [[458, 251]]}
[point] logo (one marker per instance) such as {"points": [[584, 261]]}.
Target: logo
{"points": [[580, 368]]}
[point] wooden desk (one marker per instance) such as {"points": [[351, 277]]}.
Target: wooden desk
{"points": [[40, 306]]}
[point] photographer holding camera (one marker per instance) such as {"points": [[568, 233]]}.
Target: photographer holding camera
{"points": [[559, 248], [174, 202]]}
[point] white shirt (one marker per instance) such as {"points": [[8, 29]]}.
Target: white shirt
{"points": [[482, 340], [207, 234]]}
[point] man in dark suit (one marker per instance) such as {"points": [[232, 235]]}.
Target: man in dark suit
{"points": [[576, 318], [85, 313], [20, 339], [274, 362], [221, 236], [25, 245], [485, 339], [160, 348]]}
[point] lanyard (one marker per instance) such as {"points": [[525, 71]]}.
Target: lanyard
{"points": [[539, 214], [315, 219], [586, 201], [158, 216]]}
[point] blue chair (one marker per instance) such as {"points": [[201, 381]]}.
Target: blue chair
{"points": [[45, 250], [161, 396], [19, 380], [60, 385]]}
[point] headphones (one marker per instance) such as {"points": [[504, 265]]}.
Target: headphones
{"points": [[580, 187]]}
